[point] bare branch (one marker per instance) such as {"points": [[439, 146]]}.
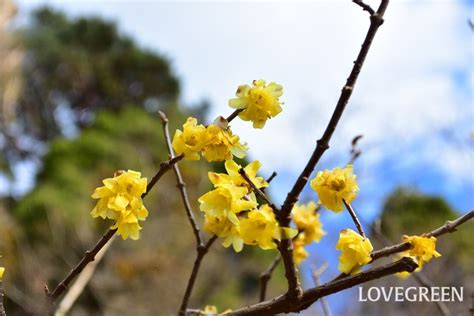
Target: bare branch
{"points": [[354, 218], [201, 252], [84, 277], [272, 176], [266, 276], [364, 6], [233, 115], [283, 304], [316, 273], [164, 167], [448, 227], [284, 218], [257, 191], [355, 152], [181, 184]]}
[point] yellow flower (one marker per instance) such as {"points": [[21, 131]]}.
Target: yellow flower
{"points": [[223, 228], [227, 200], [2, 271], [220, 144], [233, 175], [335, 185], [259, 102], [355, 251], [423, 248], [307, 220], [260, 228], [299, 252], [120, 200], [191, 140], [212, 310]]}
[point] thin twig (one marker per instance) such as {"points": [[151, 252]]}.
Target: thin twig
{"points": [[354, 218], [181, 184], [84, 277], [90, 255], [364, 6], [282, 303], [201, 252], [259, 192], [316, 274], [233, 115], [266, 276], [2, 308], [272, 176], [355, 152], [164, 167], [284, 218], [448, 227]]}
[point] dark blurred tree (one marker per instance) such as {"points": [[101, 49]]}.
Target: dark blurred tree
{"points": [[73, 68]]}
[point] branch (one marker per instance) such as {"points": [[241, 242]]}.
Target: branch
{"points": [[233, 115], [354, 218], [81, 282], [181, 184], [322, 145], [164, 167], [355, 152], [266, 276], [90, 255], [364, 6], [448, 227], [317, 281], [259, 192], [282, 303], [2, 308], [201, 252], [272, 176]]}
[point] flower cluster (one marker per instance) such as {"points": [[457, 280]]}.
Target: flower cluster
{"points": [[232, 212], [422, 248], [215, 142], [258, 102], [2, 271], [355, 251], [310, 229], [120, 200], [335, 185]]}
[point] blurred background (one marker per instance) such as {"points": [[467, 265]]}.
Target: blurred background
{"points": [[80, 86]]}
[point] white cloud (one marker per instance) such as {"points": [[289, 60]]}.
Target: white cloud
{"points": [[406, 92]]}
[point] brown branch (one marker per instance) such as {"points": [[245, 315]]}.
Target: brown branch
{"points": [[448, 227], [364, 6], [266, 276], [322, 145], [259, 192], [283, 304], [233, 115], [354, 218], [355, 152], [316, 273], [201, 252], [181, 184], [90, 255], [164, 167], [272, 176]]}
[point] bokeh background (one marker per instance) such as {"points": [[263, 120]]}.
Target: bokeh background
{"points": [[80, 86]]}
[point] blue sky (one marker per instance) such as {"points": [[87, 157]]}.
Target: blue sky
{"points": [[413, 101]]}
